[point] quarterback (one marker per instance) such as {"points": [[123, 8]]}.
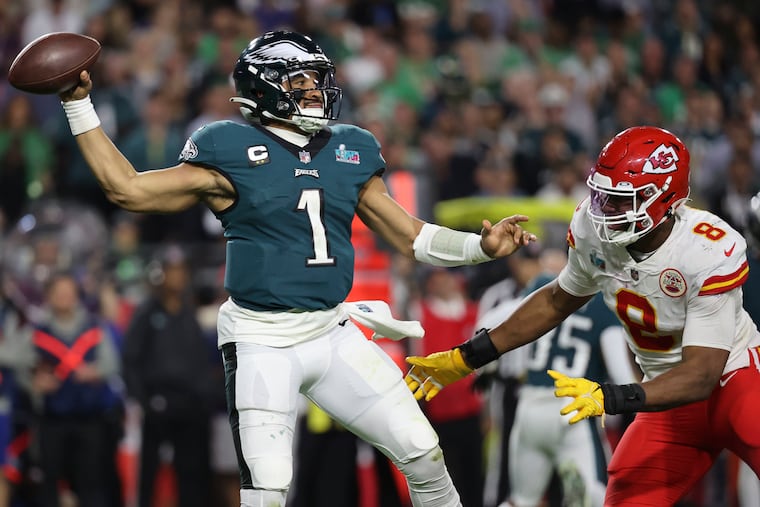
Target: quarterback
{"points": [[673, 275], [286, 187]]}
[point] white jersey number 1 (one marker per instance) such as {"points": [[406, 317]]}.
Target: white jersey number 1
{"points": [[311, 202]]}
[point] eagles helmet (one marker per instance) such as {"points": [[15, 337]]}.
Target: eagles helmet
{"points": [[640, 178], [268, 64]]}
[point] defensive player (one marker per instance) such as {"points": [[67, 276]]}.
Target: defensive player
{"points": [[286, 188], [588, 343], [673, 275]]}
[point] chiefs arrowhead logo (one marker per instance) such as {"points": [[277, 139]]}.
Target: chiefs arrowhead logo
{"points": [[662, 160]]}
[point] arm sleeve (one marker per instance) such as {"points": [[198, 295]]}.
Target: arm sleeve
{"points": [[710, 321]]}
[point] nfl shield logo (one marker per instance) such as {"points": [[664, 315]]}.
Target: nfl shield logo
{"points": [[304, 156], [635, 275]]}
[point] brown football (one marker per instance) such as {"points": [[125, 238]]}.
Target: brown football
{"points": [[52, 63]]}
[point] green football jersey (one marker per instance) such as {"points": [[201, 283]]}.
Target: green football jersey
{"points": [[289, 231]]}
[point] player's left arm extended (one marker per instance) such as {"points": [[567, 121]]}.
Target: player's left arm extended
{"points": [[431, 243], [537, 314], [707, 338]]}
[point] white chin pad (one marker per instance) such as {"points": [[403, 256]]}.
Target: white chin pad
{"points": [[308, 121]]}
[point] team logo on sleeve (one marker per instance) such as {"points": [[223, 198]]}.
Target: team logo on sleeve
{"points": [[672, 283], [190, 150], [258, 155], [346, 156], [597, 261]]}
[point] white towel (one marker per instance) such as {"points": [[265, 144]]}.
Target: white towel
{"points": [[376, 315]]}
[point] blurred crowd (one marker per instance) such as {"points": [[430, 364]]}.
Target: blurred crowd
{"points": [[480, 104]]}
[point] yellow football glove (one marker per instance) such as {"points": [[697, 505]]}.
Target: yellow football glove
{"points": [[589, 399], [432, 373]]}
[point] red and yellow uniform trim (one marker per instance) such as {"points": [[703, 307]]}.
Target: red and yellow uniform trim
{"points": [[724, 283]]}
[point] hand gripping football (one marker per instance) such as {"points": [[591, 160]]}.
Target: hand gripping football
{"points": [[52, 63]]}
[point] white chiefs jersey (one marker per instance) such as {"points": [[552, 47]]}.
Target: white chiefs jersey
{"points": [[660, 300]]}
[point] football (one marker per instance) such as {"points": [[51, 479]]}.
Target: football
{"points": [[52, 63]]}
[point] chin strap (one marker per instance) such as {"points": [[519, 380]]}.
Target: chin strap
{"points": [[304, 121], [308, 124], [247, 109], [310, 120]]}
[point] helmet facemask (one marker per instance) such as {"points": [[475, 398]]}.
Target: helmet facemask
{"points": [[621, 214], [313, 117], [277, 92], [639, 180]]}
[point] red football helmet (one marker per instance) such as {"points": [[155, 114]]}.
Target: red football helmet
{"points": [[640, 178]]}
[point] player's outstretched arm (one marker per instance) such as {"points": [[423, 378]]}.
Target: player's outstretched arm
{"points": [[158, 191], [433, 244], [540, 312]]}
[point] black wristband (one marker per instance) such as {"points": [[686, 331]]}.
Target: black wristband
{"points": [[623, 399], [479, 350]]}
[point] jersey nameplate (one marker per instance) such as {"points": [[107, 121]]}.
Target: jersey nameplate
{"points": [[258, 155], [306, 172]]}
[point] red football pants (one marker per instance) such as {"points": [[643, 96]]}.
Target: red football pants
{"points": [[662, 455]]}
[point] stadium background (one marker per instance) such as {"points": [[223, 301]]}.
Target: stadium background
{"points": [[483, 108]]}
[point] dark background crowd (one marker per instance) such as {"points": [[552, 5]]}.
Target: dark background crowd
{"points": [[480, 107]]}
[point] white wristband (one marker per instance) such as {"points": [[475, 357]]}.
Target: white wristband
{"points": [[473, 250], [81, 115], [441, 246]]}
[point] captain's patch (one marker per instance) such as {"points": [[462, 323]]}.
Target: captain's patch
{"points": [[258, 155]]}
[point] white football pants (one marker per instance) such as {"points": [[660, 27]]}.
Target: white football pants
{"points": [[541, 441], [351, 379]]}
